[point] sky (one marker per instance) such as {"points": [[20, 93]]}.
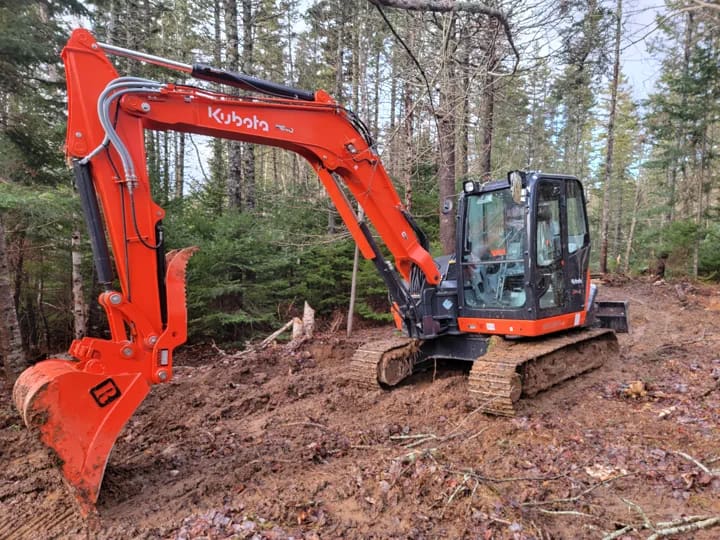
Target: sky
{"points": [[637, 63], [640, 28]]}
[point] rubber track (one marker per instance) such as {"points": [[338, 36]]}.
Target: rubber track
{"points": [[363, 369], [491, 376]]}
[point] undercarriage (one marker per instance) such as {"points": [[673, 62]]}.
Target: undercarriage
{"points": [[503, 370]]}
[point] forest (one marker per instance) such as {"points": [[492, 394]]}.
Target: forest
{"points": [[247, 434], [448, 90]]}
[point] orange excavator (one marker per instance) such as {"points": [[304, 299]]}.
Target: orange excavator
{"points": [[520, 270]]}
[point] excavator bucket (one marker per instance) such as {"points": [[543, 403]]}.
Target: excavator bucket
{"points": [[80, 407], [79, 414]]}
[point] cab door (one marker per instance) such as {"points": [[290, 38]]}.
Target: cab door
{"points": [[562, 246], [577, 246], [550, 248]]}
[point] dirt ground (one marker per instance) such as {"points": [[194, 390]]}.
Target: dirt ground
{"points": [[279, 445]]}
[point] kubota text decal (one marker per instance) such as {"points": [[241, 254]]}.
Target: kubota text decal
{"points": [[225, 118]]}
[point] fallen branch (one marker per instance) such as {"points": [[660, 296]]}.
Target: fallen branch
{"points": [[255, 348], [647, 524], [618, 533], [460, 487], [695, 526], [681, 521], [709, 391], [495, 480], [307, 424], [418, 436], [704, 468], [268, 340], [662, 529], [566, 513], [413, 456], [218, 349], [476, 434], [302, 331], [477, 409], [579, 495]]}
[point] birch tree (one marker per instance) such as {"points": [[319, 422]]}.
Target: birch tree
{"points": [[604, 227], [11, 347]]}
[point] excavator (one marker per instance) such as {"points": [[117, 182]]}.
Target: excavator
{"points": [[515, 300]]}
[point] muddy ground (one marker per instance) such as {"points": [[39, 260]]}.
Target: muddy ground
{"points": [[280, 445]]}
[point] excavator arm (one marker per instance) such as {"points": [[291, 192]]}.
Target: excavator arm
{"points": [[79, 407]]}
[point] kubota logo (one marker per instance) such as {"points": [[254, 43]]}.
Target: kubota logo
{"points": [[227, 118]]}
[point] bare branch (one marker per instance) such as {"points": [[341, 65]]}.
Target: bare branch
{"points": [[704, 468], [444, 6], [707, 5], [566, 513], [695, 526], [618, 533]]}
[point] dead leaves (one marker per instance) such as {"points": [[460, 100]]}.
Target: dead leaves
{"points": [[604, 472], [635, 390]]}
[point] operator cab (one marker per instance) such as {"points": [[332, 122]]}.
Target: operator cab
{"points": [[523, 250]]}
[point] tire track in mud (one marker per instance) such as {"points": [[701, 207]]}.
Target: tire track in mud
{"points": [[283, 440], [65, 523]]}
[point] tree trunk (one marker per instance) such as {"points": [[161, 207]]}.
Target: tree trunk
{"points": [[42, 333], [179, 165], [408, 120], [446, 141], [699, 196], [11, 347], [114, 27], [619, 217], [391, 161], [488, 100], [488, 113], [232, 61], [248, 152], [218, 169], [446, 170], [166, 168], [19, 269], [353, 281], [339, 96], [633, 223], [463, 141], [605, 220], [80, 307], [376, 98], [672, 186], [152, 160]]}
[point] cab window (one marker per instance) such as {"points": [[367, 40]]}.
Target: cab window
{"points": [[577, 224]]}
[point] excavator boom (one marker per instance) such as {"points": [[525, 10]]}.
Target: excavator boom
{"points": [[79, 407]]}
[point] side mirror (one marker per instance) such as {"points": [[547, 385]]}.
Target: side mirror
{"points": [[447, 206]]}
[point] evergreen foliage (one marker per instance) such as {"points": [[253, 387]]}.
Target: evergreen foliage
{"points": [[257, 265]]}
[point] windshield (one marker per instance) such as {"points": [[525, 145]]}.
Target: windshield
{"points": [[493, 260]]}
